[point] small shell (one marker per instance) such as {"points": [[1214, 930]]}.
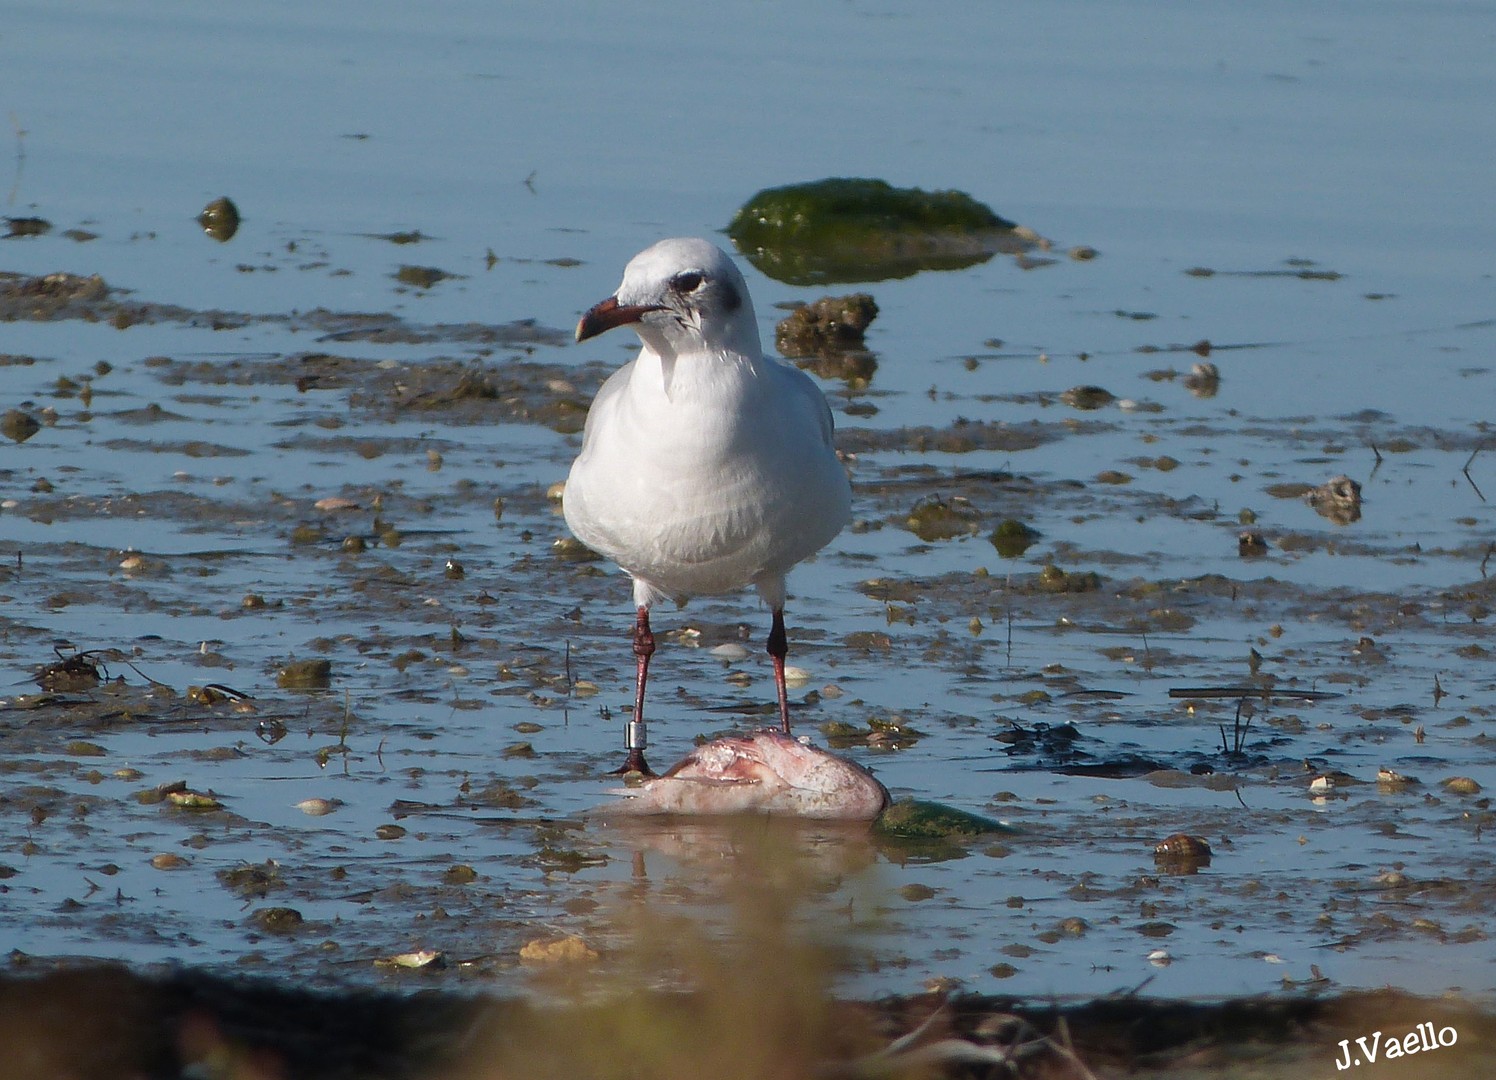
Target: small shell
{"points": [[421, 958], [318, 807]]}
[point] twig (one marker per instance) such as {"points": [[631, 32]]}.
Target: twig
{"points": [[15, 187], [1466, 470]]}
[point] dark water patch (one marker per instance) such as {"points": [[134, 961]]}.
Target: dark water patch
{"points": [[963, 436]]}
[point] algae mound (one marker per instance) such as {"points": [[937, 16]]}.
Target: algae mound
{"points": [[851, 229]]}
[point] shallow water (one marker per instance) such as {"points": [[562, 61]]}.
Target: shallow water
{"points": [[1185, 139]]}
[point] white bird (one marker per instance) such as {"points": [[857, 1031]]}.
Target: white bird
{"points": [[706, 467]]}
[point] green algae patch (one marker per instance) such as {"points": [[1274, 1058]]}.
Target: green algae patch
{"points": [[852, 229], [918, 819], [1012, 538], [305, 675]]}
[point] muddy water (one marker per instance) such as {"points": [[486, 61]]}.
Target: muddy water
{"points": [[171, 521]]}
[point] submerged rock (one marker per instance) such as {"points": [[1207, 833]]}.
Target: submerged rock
{"points": [[763, 772], [220, 219], [853, 229], [1338, 499], [934, 518], [305, 675], [1181, 853], [830, 326], [1012, 538]]}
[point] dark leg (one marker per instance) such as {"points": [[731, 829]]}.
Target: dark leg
{"points": [[778, 648], [633, 733]]}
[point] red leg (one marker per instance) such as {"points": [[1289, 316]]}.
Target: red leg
{"points": [[634, 737], [778, 649]]}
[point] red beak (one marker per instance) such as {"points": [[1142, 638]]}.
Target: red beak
{"points": [[610, 313]]}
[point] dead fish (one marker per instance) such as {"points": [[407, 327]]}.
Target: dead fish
{"points": [[763, 772]]}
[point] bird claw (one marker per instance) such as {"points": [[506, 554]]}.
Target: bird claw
{"points": [[634, 763]]}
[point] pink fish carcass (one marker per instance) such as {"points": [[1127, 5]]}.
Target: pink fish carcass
{"points": [[763, 772]]}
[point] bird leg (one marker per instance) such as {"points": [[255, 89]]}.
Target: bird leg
{"points": [[634, 737], [778, 648]]}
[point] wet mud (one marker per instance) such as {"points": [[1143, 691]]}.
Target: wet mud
{"points": [[181, 530]]}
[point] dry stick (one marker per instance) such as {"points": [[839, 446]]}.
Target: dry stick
{"points": [[1008, 611]]}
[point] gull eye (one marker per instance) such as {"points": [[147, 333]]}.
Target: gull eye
{"points": [[687, 281]]}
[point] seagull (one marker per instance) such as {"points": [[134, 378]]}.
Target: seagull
{"points": [[705, 466]]}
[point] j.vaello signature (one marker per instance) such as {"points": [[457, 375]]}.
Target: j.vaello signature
{"points": [[1368, 1049]]}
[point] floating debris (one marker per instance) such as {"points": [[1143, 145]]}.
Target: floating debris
{"points": [[217, 694], [70, 674]]}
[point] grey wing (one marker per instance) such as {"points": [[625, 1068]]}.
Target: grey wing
{"points": [[801, 385]]}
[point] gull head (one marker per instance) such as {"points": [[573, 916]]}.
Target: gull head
{"points": [[682, 296]]}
